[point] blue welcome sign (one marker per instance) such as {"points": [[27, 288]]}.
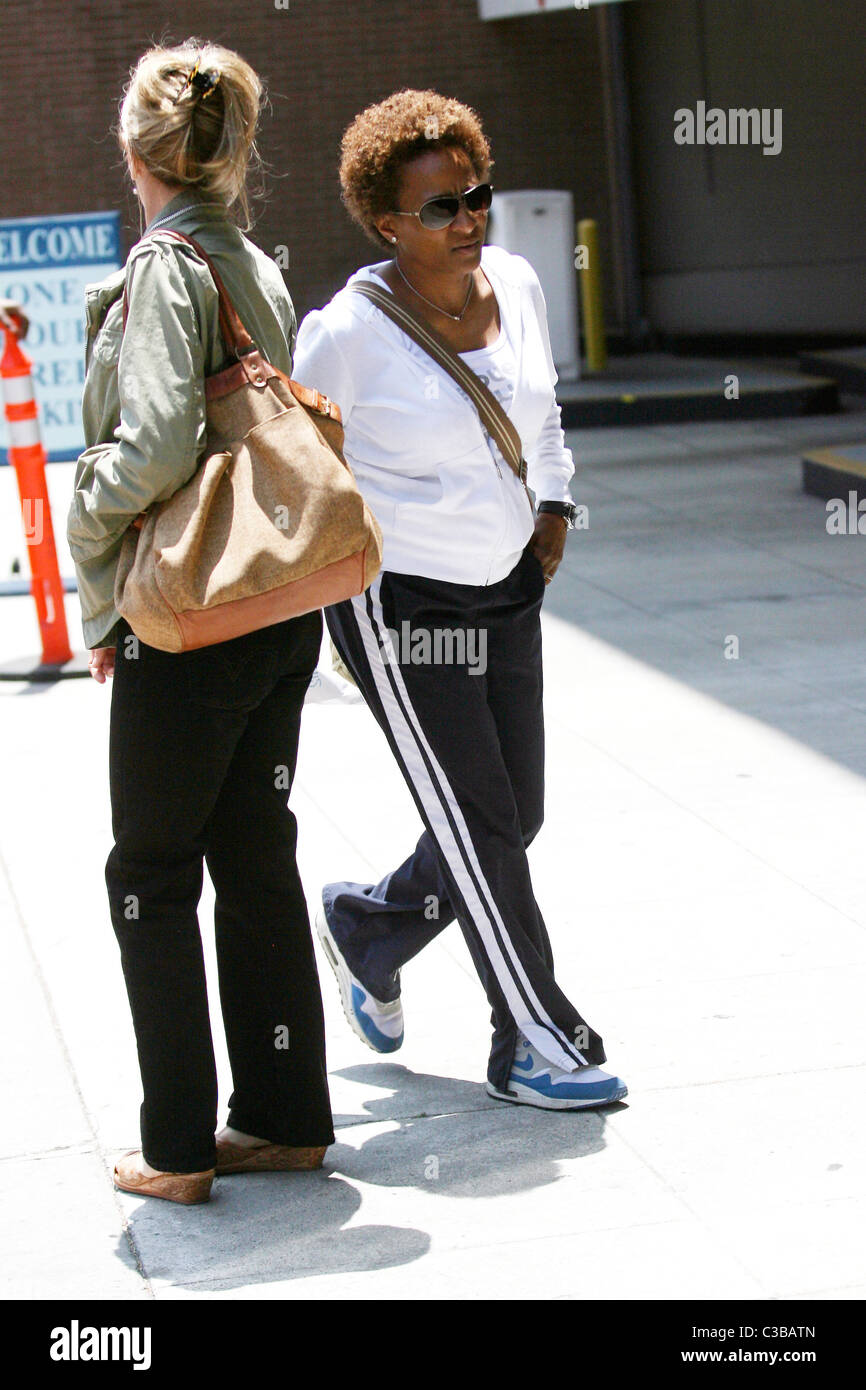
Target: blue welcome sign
{"points": [[45, 263]]}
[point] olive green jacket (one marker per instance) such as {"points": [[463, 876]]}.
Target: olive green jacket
{"points": [[144, 396]]}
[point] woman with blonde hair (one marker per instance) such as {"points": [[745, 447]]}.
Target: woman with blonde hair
{"points": [[203, 743], [466, 559]]}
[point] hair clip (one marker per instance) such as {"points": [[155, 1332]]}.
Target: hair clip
{"points": [[203, 82]]}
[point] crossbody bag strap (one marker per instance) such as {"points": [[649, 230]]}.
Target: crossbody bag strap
{"points": [[493, 417]]}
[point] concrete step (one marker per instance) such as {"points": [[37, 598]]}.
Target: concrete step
{"points": [[847, 366], [836, 472], [660, 388]]}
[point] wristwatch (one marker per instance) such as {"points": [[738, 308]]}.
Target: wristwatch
{"points": [[567, 510]]}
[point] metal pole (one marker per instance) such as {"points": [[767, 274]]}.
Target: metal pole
{"points": [[590, 296], [617, 114]]}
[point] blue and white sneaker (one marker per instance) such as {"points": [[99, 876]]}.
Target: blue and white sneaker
{"points": [[378, 1025], [535, 1081]]}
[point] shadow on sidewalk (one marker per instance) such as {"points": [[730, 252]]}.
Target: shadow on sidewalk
{"points": [[682, 552], [271, 1228], [453, 1138], [263, 1228]]}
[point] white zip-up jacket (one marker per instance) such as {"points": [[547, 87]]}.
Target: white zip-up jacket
{"points": [[449, 505]]}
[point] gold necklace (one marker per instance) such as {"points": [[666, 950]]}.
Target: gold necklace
{"points": [[456, 317]]}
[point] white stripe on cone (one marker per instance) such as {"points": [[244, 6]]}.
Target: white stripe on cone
{"points": [[17, 389], [22, 433]]}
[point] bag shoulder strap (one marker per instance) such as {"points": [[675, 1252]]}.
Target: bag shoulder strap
{"points": [[238, 341], [236, 338], [493, 417]]}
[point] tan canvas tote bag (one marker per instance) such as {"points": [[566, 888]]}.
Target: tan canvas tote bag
{"points": [[272, 523]]}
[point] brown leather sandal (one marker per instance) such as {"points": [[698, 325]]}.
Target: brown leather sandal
{"points": [[187, 1188], [267, 1158]]}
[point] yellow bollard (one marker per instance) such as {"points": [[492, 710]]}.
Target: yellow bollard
{"points": [[589, 265]]}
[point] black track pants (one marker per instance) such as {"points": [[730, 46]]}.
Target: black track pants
{"points": [[469, 738]]}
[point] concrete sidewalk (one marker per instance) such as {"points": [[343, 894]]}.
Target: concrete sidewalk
{"points": [[702, 871]]}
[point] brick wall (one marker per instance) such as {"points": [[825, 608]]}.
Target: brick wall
{"points": [[535, 82]]}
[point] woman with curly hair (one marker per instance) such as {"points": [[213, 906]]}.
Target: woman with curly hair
{"points": [[466, 561]]}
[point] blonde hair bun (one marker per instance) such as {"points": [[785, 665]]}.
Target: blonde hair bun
{"points": [[189, 114]]}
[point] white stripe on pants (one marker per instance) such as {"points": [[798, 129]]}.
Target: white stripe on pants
{"points": [[455, 842]]}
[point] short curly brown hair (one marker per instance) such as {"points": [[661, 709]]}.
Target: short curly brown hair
{"points": [[384, 137]]}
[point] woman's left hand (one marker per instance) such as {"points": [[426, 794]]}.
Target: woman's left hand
{"points": [[101, 663], [548, 542]]}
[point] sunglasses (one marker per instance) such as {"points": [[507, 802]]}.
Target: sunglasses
{"points": [[440, 212]]}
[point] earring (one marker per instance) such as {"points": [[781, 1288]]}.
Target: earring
{"points": [[393, 238]]}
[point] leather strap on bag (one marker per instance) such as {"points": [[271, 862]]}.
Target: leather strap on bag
{"points": [[493, 417], [237, 340], [235, 336]]}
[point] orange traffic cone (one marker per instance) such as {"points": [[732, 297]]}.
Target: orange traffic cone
{"points": [[27, 455]]}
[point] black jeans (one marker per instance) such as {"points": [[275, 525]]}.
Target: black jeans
{"points": [[202, 755]]}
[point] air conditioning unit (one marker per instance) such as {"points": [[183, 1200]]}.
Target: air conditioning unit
{"points": [[539, 224]]}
